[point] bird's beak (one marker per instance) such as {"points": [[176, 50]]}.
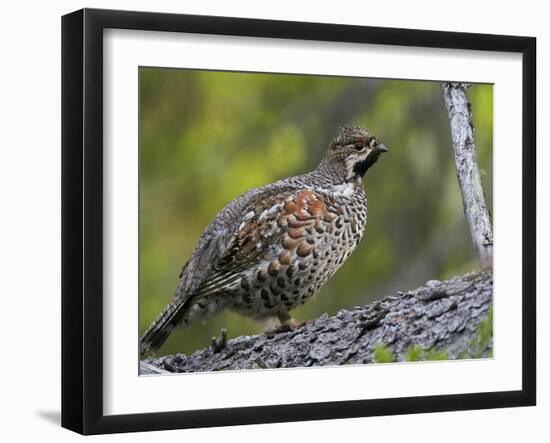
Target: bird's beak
{"points": [[382, 148]]}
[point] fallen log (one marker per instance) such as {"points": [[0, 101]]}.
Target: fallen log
{"points": [[442, 320]]}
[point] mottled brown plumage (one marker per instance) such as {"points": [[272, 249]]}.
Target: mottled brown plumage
{"points": [[272, 248]]}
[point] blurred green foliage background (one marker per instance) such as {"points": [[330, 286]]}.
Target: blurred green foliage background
{"points": [[206, 137]]}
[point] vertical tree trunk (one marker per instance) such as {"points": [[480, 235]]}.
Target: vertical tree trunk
{"points": [[467, 171]]}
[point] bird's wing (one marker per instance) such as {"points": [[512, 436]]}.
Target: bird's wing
{"points": [[241, 235]]}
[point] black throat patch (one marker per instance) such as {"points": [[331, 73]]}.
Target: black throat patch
{"points": [[361, 168]]}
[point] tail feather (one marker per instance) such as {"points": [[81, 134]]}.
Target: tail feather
{"points": [[180, 314], [161, 328]]}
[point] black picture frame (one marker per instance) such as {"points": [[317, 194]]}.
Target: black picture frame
{"points": [[82, 220]]}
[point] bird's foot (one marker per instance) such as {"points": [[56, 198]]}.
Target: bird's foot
{"points": [[218, 343], [276, 325], [285, 327], [291, 325]]}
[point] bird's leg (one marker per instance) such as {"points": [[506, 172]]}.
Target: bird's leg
{"points": [[281, 322], [270, 324], [289, 322]]}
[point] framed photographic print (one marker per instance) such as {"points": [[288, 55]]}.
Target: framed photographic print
{"points": [[269, 221]]}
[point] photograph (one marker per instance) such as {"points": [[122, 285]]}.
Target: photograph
{"points": [[294, 221]]}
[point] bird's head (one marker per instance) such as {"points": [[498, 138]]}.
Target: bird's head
{"points": [[353, 151]]}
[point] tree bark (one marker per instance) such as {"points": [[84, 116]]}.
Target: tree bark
{"points": [[439, 320], [473, 199]]}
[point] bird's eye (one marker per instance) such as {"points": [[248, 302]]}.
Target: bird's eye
{"points": [[359, 146]]}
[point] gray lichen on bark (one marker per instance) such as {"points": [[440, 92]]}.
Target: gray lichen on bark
{"points": [[442, 315], [465, 156]]}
